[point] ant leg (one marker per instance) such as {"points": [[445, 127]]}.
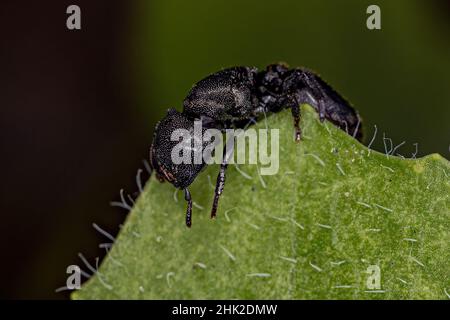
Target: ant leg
{"points": [[219, 188], [304, 87], [309, 88], [220, 183], [295, 110], [187, 197], [305, 96]]}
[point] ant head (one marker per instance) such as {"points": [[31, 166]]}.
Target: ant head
{"points": [[172, 153]]}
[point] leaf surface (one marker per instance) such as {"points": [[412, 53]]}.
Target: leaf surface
{"points": [[335, 218]]}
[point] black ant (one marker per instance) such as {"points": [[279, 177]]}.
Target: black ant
{"points": [[235, 96]]}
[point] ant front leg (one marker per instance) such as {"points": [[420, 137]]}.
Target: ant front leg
{"points": [[187, 197], [220, 183]]}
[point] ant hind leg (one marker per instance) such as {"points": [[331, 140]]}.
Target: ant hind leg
{"points": [[295, 110]]}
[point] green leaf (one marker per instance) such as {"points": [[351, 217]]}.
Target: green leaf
{"points": [[334, 215]]}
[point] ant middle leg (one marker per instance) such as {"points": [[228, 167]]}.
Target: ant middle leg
{"points": [[188, 198], [220, 183]]}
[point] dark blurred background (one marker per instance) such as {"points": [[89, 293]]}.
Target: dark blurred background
{"points": [[78, 107]]}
